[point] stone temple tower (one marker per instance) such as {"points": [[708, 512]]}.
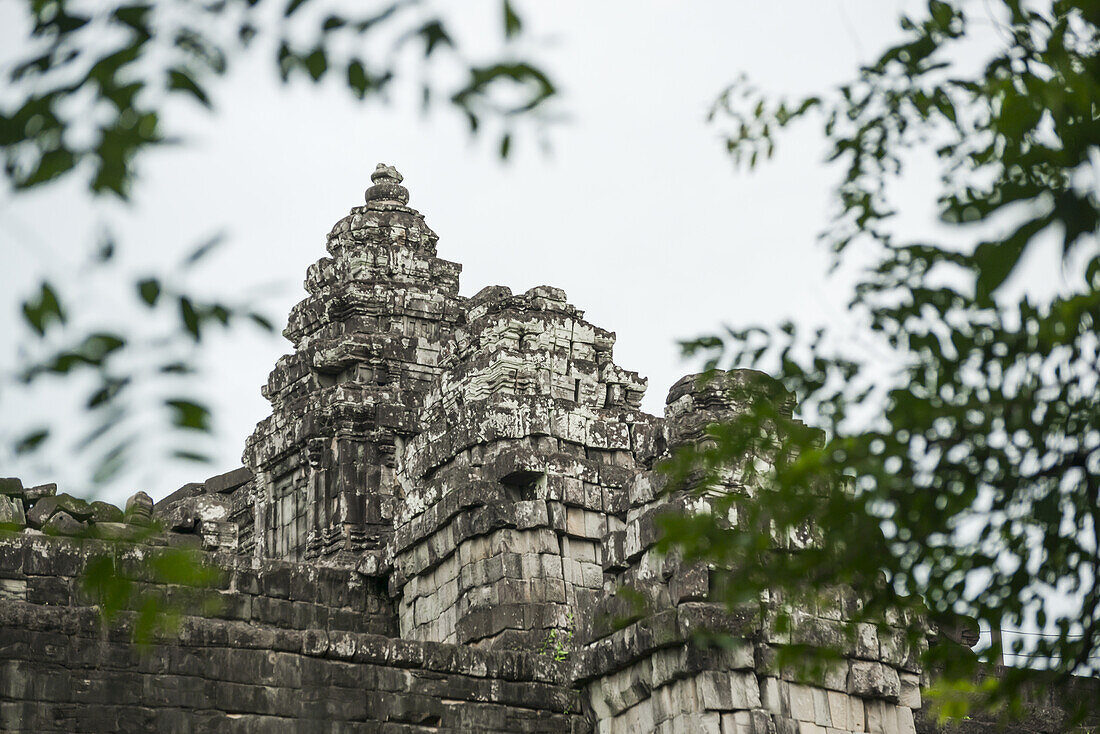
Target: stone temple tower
{"points": [[450, 522], [483, 468], [367, 344]]}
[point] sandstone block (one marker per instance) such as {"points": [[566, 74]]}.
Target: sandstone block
{"points": [[909, 694], [139, 509], [838, 709], [906, 723], [881, 717], [105, 512], [873, 680], [13, 589], [822, 715], [45, 508], [118, 531], [867, 644]]}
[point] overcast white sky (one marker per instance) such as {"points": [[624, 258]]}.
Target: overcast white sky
{"points": [[635, 212]]}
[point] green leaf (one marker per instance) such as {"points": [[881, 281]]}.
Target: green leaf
{"points": [[181, 80], [30, 442], [219, 313], [112, 462], [188, 414], [190, 318], [106, 251], [43, 309], [262, 321], [107, 392], [995, 261], [358, 79], [149, 290], [203, 250], [316, 63], [187, 455], [512, 22], [136, 17], [292, 7], [177, 368], [434, 35], [52, 164]]}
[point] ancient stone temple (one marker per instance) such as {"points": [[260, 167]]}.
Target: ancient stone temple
{"points": [[428, 534]]}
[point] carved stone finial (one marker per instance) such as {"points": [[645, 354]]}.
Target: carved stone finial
{"points": [[389, 174], [387, 185]]}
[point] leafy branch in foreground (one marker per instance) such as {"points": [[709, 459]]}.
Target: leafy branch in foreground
{"points": [[127, 375], [954, 464], [93, 81]]}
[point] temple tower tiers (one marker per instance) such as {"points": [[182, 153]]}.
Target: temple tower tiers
{"points": [[367, 343]]}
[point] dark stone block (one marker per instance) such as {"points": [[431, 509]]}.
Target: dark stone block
{"points": [[105, 512], [277, 612], [11, 486], [11, 555], [246, 581], [223, 483], [50, 590], [275, 580]]}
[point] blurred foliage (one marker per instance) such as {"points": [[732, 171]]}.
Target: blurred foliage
{"points": [[135, 374], [952, 462], [92, 84]]}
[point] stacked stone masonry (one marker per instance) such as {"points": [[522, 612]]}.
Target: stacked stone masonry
{"points": [[431, 532]]}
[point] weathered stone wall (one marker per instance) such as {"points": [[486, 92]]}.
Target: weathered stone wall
{"points": [[49, 572], [286, 648]]}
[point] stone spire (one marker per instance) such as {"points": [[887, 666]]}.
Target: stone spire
{"points": [[387, 186], [367, 344]]}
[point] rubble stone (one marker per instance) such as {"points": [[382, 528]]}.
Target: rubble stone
{"points": [[11, 486], [33, 494], [62, 523], [105, 512], [46, 507]]}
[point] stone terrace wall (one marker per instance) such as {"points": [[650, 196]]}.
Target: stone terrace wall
{"points": [[1046, 710], [61, 673], [292, 650], [44, 571]]}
